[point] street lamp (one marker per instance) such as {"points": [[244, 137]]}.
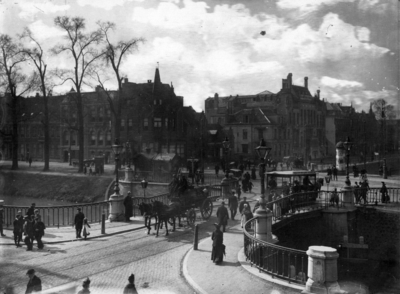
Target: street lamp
{"points": [[347, 146], [225, 146], [116, 148], [127, 149], [144, 186], [262, 152]]}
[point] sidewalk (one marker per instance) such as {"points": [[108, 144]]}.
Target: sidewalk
{"points": [[54, 235]]}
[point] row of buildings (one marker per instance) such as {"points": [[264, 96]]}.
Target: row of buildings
{"points": [[155, 122]]}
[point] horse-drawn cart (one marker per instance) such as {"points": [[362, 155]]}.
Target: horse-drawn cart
{"points": [[190, 198]]}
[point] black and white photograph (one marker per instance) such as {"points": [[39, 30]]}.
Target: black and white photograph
{"points": [[200, 146]]}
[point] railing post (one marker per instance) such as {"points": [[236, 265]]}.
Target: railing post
{"points": [[103, 223], [196, 237]]}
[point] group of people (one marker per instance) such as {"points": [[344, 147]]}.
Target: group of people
{"points": [[332, 173], [29, 228], [81, 224], [35, 284]]}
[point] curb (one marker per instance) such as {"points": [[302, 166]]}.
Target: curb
{"points": [[185, 272], [94, 237]]}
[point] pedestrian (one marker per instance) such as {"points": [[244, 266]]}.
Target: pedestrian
{"points": [[238, 191], [128, 203], [79, 217], [223, 216], [130, 288], [28, 233], [36, 214], [329, 173], [216, 170], [246, 214], [90, 170], [233, 205], [242, 203], [85, 286], [39, 228], [253, 173], [384, 194], [86, 227], [334, 198], [218, 247], [30, 161], [31, 210], [34, 283], [18, 225], [1, 222], [334, 172], [250, 186], [357, 192]]}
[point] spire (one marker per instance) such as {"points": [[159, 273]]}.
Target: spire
{"points": [[157, 79]]}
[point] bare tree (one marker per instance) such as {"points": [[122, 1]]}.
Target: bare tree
{"points": [[114, 56], [82, 48], [36, 55], [15, 84], [383, 110]]}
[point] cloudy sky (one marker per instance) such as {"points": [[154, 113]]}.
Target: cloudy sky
{"points": [[347, 48]]}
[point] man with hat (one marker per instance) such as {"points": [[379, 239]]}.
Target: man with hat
{"points": [[384, 193], [128, 203], [223, 216], [28, 233], [130, 288], [233, 205], [31, 210], [85, 286], [39, 228], [18, 228], [79, 217], [34, 284], [1, 222]]}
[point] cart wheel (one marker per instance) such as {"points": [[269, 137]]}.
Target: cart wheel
{"points": [[206, 209], [191, 217]]}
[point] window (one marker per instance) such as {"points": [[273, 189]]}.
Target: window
{"points": [[164, 148], [122, 124], [92, 138], [246, 118], [172, 148], [145, 123], [130, 123], [157, 122], [244, 134], [101, 114], [73, 138], [65, 138], [92, 113], [260, 134], [166, 123], [108, 137], [180, 149], [245, 148], [100, 138], [27, 131]]}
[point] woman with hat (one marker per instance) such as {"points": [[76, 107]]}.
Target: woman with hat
{"points": [[218, 248], [130, 288]]}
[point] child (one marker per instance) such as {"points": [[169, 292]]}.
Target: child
{"points": [[85, 228]]}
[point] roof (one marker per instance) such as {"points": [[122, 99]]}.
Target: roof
{"points": [[266, 92], [299, 90]]}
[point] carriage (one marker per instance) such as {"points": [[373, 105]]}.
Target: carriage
{"points": [[190, 198]]}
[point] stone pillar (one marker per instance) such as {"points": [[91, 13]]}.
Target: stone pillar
{"points": [[263, 223], [117, 209], [129, 174], [226, 186], [322, 270], [348, 196]]}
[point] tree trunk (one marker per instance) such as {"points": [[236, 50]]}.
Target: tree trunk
{"points": [[80, 131], [14, 137], [46, 134]]}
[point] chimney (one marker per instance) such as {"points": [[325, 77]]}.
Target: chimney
{"points": [[37, 94], [149, 81], [306, 82], [98, 88], [216, 100], [289, 78], [125, 80], [318, 94]]}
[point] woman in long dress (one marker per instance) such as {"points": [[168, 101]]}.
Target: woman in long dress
{"points": [[218, 248], [86, 227]]}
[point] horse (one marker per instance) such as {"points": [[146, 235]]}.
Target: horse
{"points": [[165, 213], [147, 211]]}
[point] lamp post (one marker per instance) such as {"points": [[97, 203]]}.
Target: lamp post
{"points": [[144, 186], [116, 207], [347, 145], [225, 146], [262, 152]]}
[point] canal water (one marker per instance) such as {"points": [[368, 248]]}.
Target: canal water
{"points": [[27, 201]]}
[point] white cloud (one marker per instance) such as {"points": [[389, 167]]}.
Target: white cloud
{"points": [[308, 5], [339, 84], [43, 32], [105, 4], [29, 9]]}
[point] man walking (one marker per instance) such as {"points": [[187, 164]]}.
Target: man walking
{"points": [[233, 205], [28, 233], [128, 203], [79, 217], [384, 194], [223, 216], [31, 210], [18, 225], [334, 172], [34, 284], [39, 228]]}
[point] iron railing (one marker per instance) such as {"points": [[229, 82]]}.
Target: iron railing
{"points": [[374, 196], [286, 263]]}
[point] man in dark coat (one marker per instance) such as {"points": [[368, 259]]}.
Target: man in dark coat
{"points": [[218, 247], [28, 233], [31, 210], [18, 225], [384, 193], [334, 172], [39, 228], [223, 216], [85, 287], [233, 205], [34, 284], [79, 217], [130, 288], [128, 203]]}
